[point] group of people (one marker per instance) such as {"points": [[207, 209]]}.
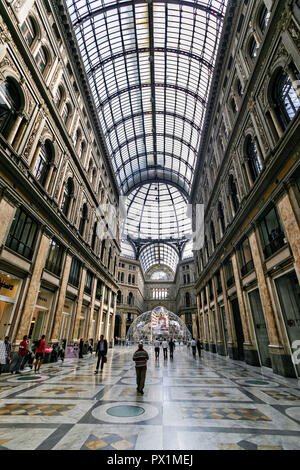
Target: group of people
{"points": [[196, 344], [24, 355], [165, 345]]}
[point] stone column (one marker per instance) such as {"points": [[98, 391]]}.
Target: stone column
{"points": [[113, 321], [205, 339], [123, 331], [100, 316], [281, 362], [194, 325], [79, 304], [7, 211], [232, 344], [93, 297], [108, 318], [291, 228], [61, 299], [220, 340], [33, 288], [212, 333], [14, 129], [251, 354]]}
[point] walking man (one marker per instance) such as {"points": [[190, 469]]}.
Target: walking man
{"points": [[172, 347], [199, 347], [101, 350], [39, 354], [193, 344], [21, 355], [165, 348], [140, 358], [156, 348]]}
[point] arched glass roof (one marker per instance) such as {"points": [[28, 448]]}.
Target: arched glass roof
{"points": [[150, 66], [158, 254], [157, 211]]}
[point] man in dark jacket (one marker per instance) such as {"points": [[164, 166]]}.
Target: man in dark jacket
{"points": [[101, 350], [140, 358], [199, 347]]}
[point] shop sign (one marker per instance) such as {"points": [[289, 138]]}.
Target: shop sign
{"points": [[8, 286], [44, 299]]}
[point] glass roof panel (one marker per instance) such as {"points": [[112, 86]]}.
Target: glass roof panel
{"points": [[150, 66]]}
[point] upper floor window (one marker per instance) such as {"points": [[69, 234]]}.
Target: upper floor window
{"points": [[58, 97], [239, 87], [130, 299], [65, 113], [246, 257], [67, 196], [233, 194], [187, 299], [255, 166], [221, 217], [94, 236], [43, 162], [22, 234], [253, 48], [75, 272], [229, 273], [233, 106], [83, 219], [272, 232], [10, 105], [119, 297], [55, 258], [41, 59], [88, 282], [28, 30], [264, 17], [213, 234], [285, 97]]}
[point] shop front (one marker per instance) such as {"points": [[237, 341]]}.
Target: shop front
{"points": [[82, 322], [41, 315], [66, 319], [9, 291]]}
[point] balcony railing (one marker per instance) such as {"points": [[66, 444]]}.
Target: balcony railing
{"points": [[247, 268], [278, 242]]}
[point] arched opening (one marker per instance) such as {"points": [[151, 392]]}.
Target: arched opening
{"points": [[67, 196], [10, 105], [94, 236], [83, 220], [233, 194], [42, 165], [28, 29], [286, 100], [221, 218], [255, 166], [130, 299]]}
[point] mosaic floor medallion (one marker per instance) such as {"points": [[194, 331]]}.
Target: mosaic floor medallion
{"points": [[28, 378], [125, 411]]}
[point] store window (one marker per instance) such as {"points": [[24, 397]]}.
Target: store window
{"points": [[272, 232], [9, 291], [55, 257], [22, 235], [39, 322]]}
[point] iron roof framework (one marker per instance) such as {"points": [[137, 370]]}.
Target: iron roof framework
{"points": [[150, 66]]}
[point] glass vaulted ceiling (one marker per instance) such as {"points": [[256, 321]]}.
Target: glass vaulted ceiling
{"points": [[150, 66]]}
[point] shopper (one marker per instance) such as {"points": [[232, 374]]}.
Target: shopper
{"points": [[101, 350], [156, 348], [81, 349], [140, 358], [39, 354], [199, 347], [21, 355], [165, 348], [172, 347], [5, 349], [193, 344]]}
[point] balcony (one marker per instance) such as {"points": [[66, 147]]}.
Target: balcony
{"points": [[247, 268], [278, 242]]}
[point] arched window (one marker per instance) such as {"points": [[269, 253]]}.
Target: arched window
{"points": [[94, 236], [130, 299], [41, 59], [43, 162], [119, 297], [58, 96], [133, 279], [109, 258], [187, 299], [68, 194], [253, 48], [213, 234], [253, 158], [81, 150], [10, 105], [65, 113], [129, 278], [122, 277], [221, 217], [264, 17], [77, 137], [233, 106], [28, 30], [285, 97], [233, 193], [84, 216]]}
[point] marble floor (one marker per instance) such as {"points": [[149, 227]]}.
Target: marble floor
{"points": [[188, 404]]}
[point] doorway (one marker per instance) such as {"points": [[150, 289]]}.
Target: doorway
{"points": [[260, 328], [288, 290], [238, 329]]}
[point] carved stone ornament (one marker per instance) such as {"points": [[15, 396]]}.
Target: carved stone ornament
{"points": [[18, 5], [294, 33]]}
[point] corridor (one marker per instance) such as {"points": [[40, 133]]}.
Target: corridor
{"points": [[188, 404]]}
